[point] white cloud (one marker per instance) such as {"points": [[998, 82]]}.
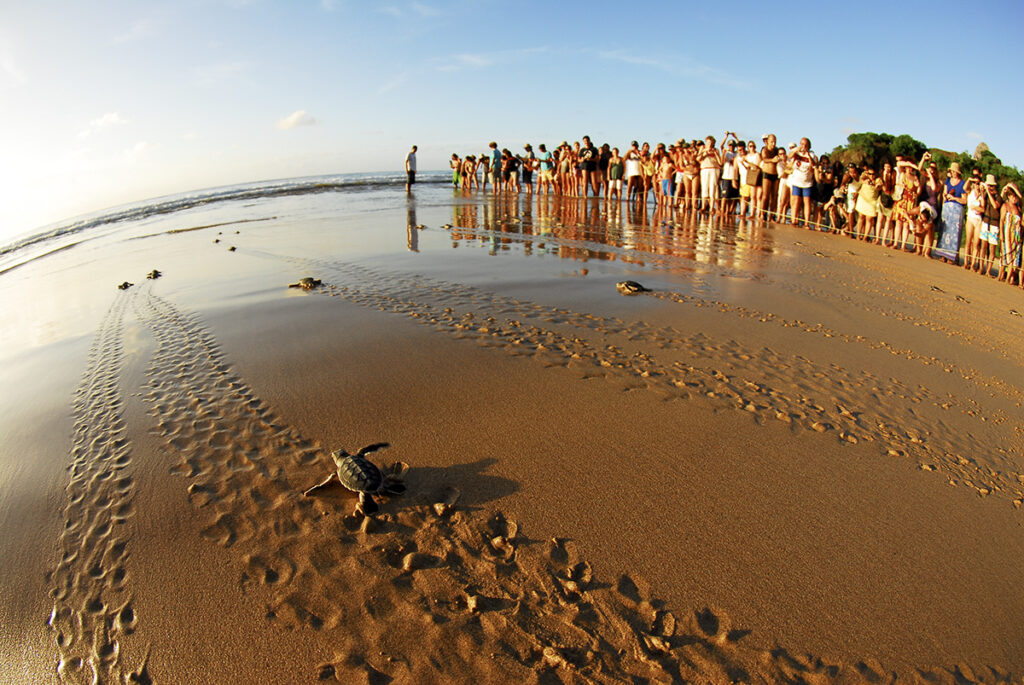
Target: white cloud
{"points": [[680, 65], [482, 60], [976, 136], [138, 150], [297, 118], [424, 10], [140, 30], [414, 8], [466, 61], [393, 83], [101, 122]]}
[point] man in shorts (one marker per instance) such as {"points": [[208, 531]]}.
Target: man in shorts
{"points": [[496, 171], [588, 159], [410, 169], [728, 187], [547, 171], [529, 161]]}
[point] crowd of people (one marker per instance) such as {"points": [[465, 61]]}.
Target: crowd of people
{"points": [[904, 205]]}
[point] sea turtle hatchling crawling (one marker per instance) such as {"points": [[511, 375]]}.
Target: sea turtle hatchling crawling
{"points": [[359, 474], [306, 283], [631, 288]]}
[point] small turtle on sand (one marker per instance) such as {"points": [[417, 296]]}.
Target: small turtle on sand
{"points": [[125, 286], [359, 474], [631, 288], [307, 283], [232, 248], [154, 274]]}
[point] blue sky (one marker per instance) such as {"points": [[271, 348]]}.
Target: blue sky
{"points": [[109, 101]]}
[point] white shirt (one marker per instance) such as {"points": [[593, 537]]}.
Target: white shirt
{"points": [[410, 161]]}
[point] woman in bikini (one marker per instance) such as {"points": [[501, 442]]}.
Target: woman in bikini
{"points": [[972, 229], [468, 172], [771, 155], [691, 177], [616, 169], [784, 167]]}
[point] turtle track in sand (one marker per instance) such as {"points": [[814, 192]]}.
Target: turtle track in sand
{"points": [[245, 471], [853, 405], [427, 587], [92, 604]]}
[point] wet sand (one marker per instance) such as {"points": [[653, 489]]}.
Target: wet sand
{"points": [[793, 459]]}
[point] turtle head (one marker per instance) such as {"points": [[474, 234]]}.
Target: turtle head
{"points": [[339, 456]]}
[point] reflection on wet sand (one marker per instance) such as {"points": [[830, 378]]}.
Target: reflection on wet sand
{"points": [[583, 229]]}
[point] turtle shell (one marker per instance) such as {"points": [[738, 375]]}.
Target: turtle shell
{"points": [[358, 473], [630, 287]]}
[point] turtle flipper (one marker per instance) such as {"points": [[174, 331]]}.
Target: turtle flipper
{"points": [[367, 505], [372, 448], [394, 488], [325, 481]]}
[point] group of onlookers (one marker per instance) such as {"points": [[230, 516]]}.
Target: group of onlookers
{"points": [[905, 204]]}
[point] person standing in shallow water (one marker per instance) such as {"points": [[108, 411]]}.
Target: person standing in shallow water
{"points": [[410, 169]]}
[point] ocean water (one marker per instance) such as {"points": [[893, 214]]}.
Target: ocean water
{"points": [[574, 228], [64, 234]]}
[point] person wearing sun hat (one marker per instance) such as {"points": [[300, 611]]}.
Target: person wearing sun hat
{"points": [[954, 197], [989, 234]]}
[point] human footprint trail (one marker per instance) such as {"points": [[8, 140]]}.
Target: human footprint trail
{"points": [[92, 609]]}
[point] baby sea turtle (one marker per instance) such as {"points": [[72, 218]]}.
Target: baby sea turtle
{"points": [[306, 283], [631, 288], [125, 286], [232, 248], [154, 274], [359, 474]]}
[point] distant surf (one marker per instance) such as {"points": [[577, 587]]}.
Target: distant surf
{"points": [[52, 238]]}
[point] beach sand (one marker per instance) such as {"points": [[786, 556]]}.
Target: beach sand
{"points": [[793, 460]]}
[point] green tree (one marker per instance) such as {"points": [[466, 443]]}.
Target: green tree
{"points": [[907, 147], [874, 149]]}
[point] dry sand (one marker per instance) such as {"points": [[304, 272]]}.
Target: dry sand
{"points": [[794, 460]]}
